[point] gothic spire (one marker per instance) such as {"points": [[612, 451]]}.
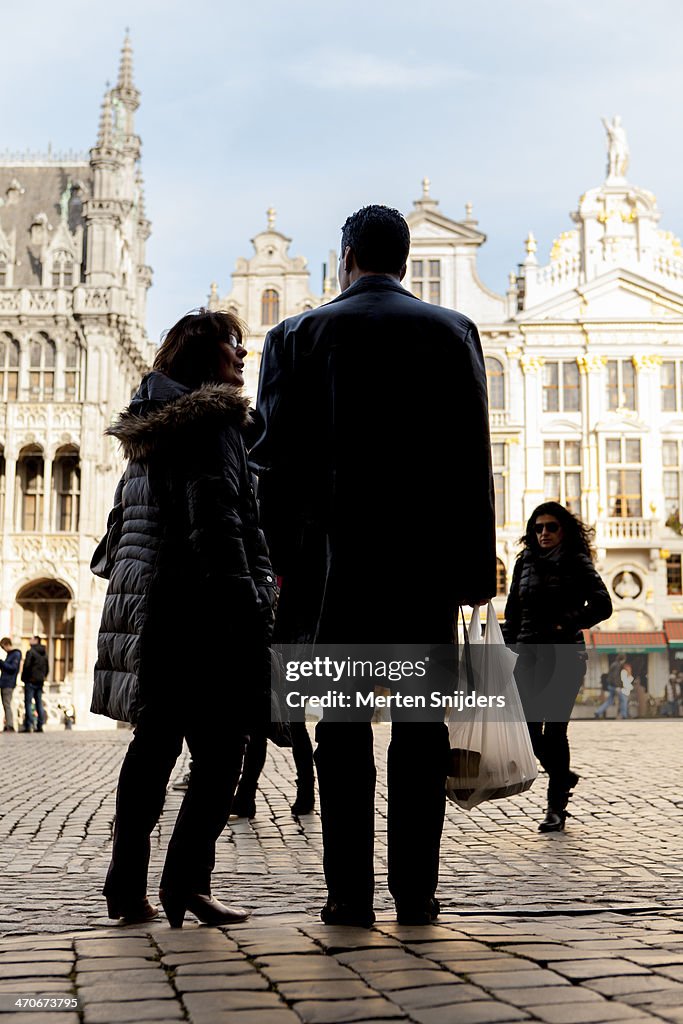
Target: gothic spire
{"points": [[125, 90], [104, 132]]}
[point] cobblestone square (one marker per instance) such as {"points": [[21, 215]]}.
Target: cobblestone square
{"points": [[580, 927]]}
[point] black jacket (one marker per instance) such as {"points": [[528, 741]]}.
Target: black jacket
{"points": [[552, 599], [9, 669], [374, 467], [189, 557], [36, 665]]}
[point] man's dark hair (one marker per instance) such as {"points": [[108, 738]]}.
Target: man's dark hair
{"points": [[379, 237]]}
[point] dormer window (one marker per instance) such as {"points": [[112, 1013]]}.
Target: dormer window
{"points": [[62, 269]]}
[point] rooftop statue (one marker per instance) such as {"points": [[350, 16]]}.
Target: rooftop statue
{"points": [[617, 149]]}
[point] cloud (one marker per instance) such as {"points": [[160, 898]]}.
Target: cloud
{"points": [[333, 69]]}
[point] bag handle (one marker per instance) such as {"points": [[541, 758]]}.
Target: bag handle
{"points": [[467, 653]]}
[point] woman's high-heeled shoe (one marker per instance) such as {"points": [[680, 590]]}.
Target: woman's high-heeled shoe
{"points": [[131, 913], [204, 907]]}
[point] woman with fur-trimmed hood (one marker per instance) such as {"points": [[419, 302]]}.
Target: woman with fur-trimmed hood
{"points": [[184, 556]]}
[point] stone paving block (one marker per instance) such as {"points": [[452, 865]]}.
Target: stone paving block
{"points": [[588, 1013], [323, 969], [135, 1013], [193, 940], [338, 940], [112, 992], [136, 976], [551, 951], [46, 956], [217, 967], [671, 1013], [626, 984], [113, 947], [346, 1011], [448, 948], [221, 983], [298, 990], [214, 1015], [486, 964], [438, 995], [95, 964], [602, 968], [675, 972], [38, 1017], [54, 987], [655, 958], [375, 959], [663, 997], [546, 996], [34, 972], [412, 933], [410, 979], [481, 1012], [515, 979], [179, 959], [202, 1002]]}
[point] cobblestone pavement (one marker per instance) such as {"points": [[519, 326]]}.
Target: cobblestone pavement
{"points": [[585, 926]]}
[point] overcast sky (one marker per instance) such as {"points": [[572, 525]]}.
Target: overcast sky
{"points": [[320, 108]]}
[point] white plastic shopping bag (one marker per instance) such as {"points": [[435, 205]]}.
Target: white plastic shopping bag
{"points": [[491, 752]]}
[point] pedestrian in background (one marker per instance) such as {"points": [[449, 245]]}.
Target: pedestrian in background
{"points": [[616, 676], [33, 676], [376, 491], [555, 594], [183, 552], [9, 669]]}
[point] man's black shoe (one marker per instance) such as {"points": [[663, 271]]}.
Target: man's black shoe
{"points": [[347, 914], [421, 913]]}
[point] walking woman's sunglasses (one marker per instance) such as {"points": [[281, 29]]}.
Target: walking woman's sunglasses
{"points": [[550, 527]]}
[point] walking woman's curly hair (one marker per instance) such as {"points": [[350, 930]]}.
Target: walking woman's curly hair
{"points": [[578, 538]]}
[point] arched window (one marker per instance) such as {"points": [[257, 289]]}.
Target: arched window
{"points": [[66, 482], [72, 359], [495, 375], [62, 269], [270, 307], [45, 611], [9, 368], [4, 261], [41, 377], [30, 489], [501, 579]]}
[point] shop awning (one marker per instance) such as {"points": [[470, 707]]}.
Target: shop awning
{"points": [[673, 628], [636, 642]]}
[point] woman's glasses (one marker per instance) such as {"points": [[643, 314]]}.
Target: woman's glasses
{"points": [[233, 342], [550, 527]]}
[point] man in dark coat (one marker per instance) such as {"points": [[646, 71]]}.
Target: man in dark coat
{"points": [[33, 676], [377, 503]]}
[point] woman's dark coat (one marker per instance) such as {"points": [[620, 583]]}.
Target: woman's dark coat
{"points": [[186, 558], [9, 669], [553, 598]]}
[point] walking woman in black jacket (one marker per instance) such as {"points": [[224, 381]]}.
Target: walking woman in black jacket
{"points": [[555, 594], [184, 555]]}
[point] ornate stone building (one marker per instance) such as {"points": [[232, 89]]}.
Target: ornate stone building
{"points": [[585, 363], [269, 286], [73, 285]]}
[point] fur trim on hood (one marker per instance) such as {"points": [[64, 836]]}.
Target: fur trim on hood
{"points": [[162, 408]]}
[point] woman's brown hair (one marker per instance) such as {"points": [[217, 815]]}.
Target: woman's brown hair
{"points": [[190, 353]]}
